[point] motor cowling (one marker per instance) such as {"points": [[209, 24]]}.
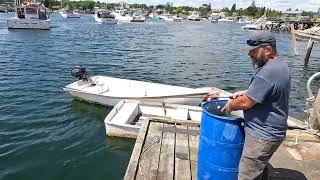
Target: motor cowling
{"points": [[79, 72]]}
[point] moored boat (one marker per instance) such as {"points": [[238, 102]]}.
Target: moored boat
{"points": [[126, 117], [195, 16], [30, 16], [109, 91], [66, 13], [137, 16], [105, 16], [122, 16]]}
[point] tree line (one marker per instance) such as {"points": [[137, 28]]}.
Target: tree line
{"points": [[204, 10]]}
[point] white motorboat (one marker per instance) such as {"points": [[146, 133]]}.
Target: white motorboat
{"points": [[109, 91], [171, 18], [66, 13], [225, 20], [30, 16], [259, 24], [195, 16], [122, 16], [105, 16], [126, 118]]}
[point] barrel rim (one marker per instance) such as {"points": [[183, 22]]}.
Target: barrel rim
{"points": [[217, 116]]}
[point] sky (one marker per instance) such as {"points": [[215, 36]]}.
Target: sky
{"points": [[310, 5]]}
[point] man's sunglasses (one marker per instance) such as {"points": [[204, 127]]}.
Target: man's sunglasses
{"points": [[257, 43]]}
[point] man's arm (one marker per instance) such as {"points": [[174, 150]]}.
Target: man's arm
{"points": [[241, 103]]}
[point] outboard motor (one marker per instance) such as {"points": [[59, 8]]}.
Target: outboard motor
{"points": [[81, 73]]}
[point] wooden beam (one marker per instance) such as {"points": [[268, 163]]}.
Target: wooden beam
{"points": [[309, 49], [294, 40]]}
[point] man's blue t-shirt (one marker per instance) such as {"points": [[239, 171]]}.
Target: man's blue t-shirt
{"points": [[270, 88]]}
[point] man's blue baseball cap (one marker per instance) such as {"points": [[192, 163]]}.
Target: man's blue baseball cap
{"points": [[262, 38]]}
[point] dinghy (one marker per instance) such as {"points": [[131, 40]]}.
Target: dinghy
{"points": [[109, 91], [126, 118]]}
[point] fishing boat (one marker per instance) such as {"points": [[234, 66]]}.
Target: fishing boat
{"points": [[66, 13], [170, 18], [109, 90], [137, 16], [195, 16], [154, 16], [126, 118], [104, 16], [122, 16], [29, 16]]}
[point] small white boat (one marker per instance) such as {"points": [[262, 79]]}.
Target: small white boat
{"points": [[109, 91], [126, 118], [195, 16], [105, 16], [30, 16], [69, 14], [225, 20], [170, 18], [259, 24]]}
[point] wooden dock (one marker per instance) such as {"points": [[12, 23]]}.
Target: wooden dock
{"points": [[165, 149]]}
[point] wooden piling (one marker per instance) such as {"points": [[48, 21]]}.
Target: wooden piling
{"points": [[294, 40], [309, 49], [312, 118]]}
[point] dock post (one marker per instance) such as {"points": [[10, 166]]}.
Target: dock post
{"points": [[309, 49], [294, 40], [312, 119]]}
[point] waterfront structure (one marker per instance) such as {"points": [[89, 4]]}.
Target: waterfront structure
{"points": [[29, 16]]}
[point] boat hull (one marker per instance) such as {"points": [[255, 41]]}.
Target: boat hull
{"points": [[70, 15], [16, 23], [106, 20], [112, 101], [109, 91]]}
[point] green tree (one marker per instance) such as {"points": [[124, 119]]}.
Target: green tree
{"points": [[234, 8]]}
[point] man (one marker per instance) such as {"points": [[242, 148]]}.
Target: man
{"points": [[264, 105]]}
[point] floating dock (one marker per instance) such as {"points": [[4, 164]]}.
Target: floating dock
{"points": [[165, 149]]}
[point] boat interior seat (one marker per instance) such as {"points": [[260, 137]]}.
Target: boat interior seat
{"points": [[126, 114]]}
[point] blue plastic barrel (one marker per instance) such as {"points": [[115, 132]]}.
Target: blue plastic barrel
{"points": [[220, 145]]}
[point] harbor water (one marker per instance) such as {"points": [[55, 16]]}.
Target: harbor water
{"points": [[45, 134]]}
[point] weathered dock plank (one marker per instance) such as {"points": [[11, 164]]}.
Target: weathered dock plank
{"points": [[166, 164], [134, 160], [182, 157], [149, 157], [193, 150], [162, 151]]}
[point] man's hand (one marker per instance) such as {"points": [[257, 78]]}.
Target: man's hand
{"points": [[237, 94], [228, 107], [213, 94]]}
